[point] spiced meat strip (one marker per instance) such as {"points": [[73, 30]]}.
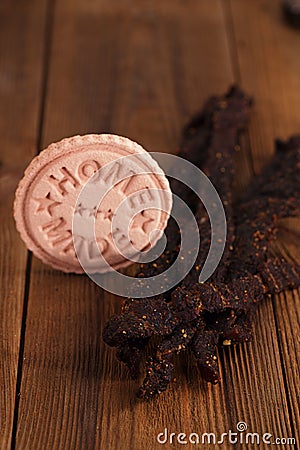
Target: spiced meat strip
{"points": [[198, 315], [230, 117], [194, 145], [255, 271], [228, 306]]}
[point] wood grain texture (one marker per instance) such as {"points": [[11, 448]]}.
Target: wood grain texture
{"points": [[138, 68], [132, 90], [267, 56], [21, 68]]}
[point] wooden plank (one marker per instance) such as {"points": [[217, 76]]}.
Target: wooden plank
{"points": [[287, 321], [267, 52], [269, 66], [287, 309], [253, 388], [22, 28], [158, 63], [141, 80]]}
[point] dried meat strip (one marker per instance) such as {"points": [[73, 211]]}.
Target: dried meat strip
{"points": [[199, 316], [254, 271], [196, 139], [193, 148], [204, 347], [230, 115]]}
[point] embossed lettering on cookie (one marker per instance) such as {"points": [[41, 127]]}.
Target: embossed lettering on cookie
{"points": [[46, 202]]}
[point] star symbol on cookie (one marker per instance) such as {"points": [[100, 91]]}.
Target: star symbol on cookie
{"points": [[84, 211], [46, 204]]}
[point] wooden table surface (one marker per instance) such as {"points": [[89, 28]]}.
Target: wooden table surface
{"points": [[137, 68]]}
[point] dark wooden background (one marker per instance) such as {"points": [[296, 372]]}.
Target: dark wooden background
{"points": [[137, 68]]}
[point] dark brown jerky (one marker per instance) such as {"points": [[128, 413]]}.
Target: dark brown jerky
{"points": [[217, 297], [193, 148], [204, 347], [273, 196], [227, 115], [254, 271], [220, 310], [159, 374], [130, 354], [159, 370], [230, 117], [237, 331], [140, 319]]}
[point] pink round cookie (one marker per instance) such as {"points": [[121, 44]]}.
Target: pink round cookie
{"points": [[46, 202]]}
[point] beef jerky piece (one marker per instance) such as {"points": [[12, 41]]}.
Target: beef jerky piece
{"points": [[240, 331], [141, 319], [281, 171], [273, 195], [211, 122], [196, 134], [230, 114], [160, 369], [259, 211], [232, 326], [222, 120], [217, 297], [279, 275], [193, 148], [211, 136], [204, 347], [159, 375], [195, 142], [220, 321], [229, 120], [130, 355], [246, 289], [243, 292]]}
